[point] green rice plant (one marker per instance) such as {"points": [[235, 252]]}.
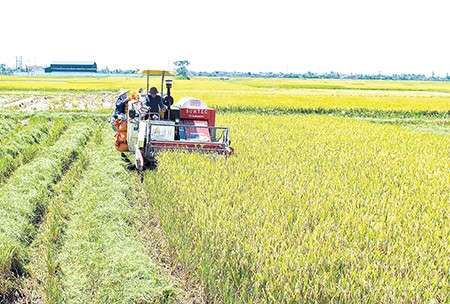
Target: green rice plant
{"points": [[312, 209], [21, 199], [101, 258]]}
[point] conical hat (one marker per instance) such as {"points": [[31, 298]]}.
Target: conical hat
{"points": [[122, 91]]}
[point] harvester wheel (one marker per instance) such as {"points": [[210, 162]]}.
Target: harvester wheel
{"points": [[140, 160], [138, 164]]}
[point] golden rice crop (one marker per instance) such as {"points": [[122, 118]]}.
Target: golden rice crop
{"points": [[312, 208], [325, 99], [258, 93]]}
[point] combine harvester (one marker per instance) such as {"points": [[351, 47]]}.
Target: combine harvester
{"points": [[187, 125]]}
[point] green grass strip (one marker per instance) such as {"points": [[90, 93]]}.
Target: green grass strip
{"points": [[21, 197], [363, 113], [18, 148], [6, 124], [101, 259]]}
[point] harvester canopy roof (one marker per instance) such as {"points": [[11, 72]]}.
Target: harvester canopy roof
{"points": [[158, 72]]}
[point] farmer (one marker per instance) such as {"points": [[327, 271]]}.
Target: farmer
{"points": [[153, 103], [121, 102], [139, 101], [141, 95]]}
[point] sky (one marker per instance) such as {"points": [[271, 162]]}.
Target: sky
{"points": [[346, 36]]}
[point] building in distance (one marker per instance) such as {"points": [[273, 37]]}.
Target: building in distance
{"points": [[68, 66]]}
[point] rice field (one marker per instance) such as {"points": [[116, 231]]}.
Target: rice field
{"points": [[242, 94], [338, 192], [314, 208]]}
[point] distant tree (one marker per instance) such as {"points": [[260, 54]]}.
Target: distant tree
{"points": [[4, 70], [181, 68]]}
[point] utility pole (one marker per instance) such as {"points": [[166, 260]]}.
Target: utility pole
{"points": [[18, 62]]}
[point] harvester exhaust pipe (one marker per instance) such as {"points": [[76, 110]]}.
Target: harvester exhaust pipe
{"points": [[168, 100], [168, 86]]}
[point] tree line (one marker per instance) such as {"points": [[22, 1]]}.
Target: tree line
{"points": [[182, 70]]}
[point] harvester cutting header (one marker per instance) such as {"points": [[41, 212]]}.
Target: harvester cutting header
{"points": [[151, 123]]}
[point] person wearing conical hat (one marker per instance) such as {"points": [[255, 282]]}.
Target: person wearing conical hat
{"points": [[121, 102]]}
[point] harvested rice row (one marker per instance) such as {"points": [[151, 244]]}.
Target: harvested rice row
{"points": [[6, 124], [101, 258], [19, 147], [21, 199], [44, 279]]}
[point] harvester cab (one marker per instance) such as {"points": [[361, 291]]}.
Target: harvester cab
{"points": [[186, 125]]}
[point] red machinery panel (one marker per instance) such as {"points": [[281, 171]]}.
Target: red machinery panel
{"points": [[197, 130], [199, 114]]}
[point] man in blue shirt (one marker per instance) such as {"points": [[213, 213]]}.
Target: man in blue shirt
{"points": [[153, 101]]}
